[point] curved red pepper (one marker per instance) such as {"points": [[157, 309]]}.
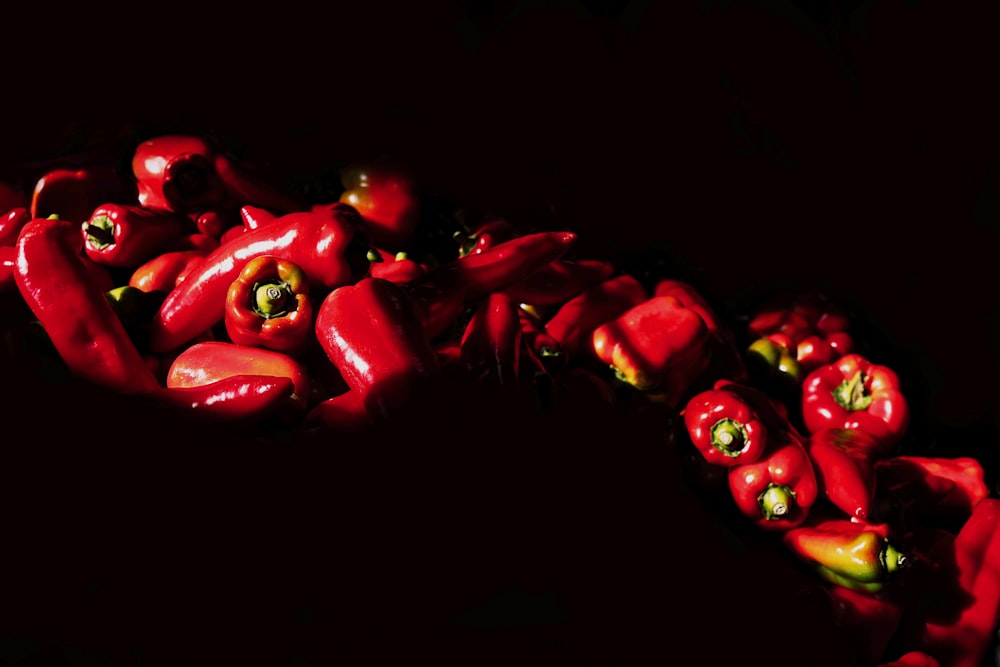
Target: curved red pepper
{"points": [[209, 361], [53, 278], [845, 468], [163, 272], [385, 193], [233, 399], [73, 194], [123, 235], [854, 393], [372, 332], [777, 491], [573, 324], [658, 346], [269, 305], [326, 245], [724, 428], [490, 348], [11, 223], [395, 267]]}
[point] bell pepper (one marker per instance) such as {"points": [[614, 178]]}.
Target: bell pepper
{"points": [[73, 194], [854, 393], [442, 293], [845, 468], [325, 245], [573, 324], [724, 428], [190, 174], [657, 346], [11, 223], [163, 272], [725, 360], [777, 491], [269, 305], [960, 637], [235, 399], [53, 278], [853, 554], [208, 361], [490, 348], [373, 334], [870, 621], [385, 193], [932, 487], [123, 235]]}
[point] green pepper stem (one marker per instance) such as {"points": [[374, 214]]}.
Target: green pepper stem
{"points": [[729, 436], [851, 394], [271, 299], [99, 231], [776, 501], [892, 559]]}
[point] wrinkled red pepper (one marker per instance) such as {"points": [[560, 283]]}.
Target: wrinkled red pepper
{"points": [[269, 305], [385, 193], [490, 348], [325, 245], [724, 428], [373, 334], [845, 468], [854, 393], [53, 278], [657, 346], [124, 235]]}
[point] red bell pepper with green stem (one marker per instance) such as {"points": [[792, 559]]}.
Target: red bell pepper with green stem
{"points": [[724, 428], [442, 293], [845, 468], [326, 245], [373, 334], [269, 305], [854, 393], [53, 279], [490, 348], [778, 490], [657, 346], [123, 235]]}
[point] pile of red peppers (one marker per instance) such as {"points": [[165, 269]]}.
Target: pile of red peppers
{"points": [[220, 296]]}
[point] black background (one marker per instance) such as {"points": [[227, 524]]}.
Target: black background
{"points": [[849, 146]]}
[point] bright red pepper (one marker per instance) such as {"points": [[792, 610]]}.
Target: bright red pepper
{"points": [[269, 305], [854, 393], [854, 554], [657, 346], [235, 399], [490, 348], [724, 428], [442, 293], [11, 223], [777, 491], [845, 468], [373, 333], [573, 325], [53, 278], [123, 235], [325, 245], [73, 194], [206, 362], [385, 193], [163, 272], [398, 268], [932, 487]]}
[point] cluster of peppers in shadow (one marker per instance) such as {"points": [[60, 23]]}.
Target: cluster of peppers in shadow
{"points": [[219, 295]]}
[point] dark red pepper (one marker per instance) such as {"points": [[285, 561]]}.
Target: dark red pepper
{"points": [[814, 324], [73, 194], [385, 193], [869, 620], [912, 659], [124, 235], [398, 267], [560, 280], [325, 245], [845, 468], [932, 487], [724, 428], [53, 278], [11, 223], [490, 348], [269, 305]]}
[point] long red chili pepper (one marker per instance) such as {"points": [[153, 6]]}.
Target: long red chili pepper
{"points": [[163, 272], [123, 235], [845, 468], [490, 349], [325, 245], [56, 284], [232, 399]]}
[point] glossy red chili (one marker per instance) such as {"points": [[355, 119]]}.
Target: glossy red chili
{"points": [[124, 235]]}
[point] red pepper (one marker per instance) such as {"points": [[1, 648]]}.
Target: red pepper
{"points": [[724, 428], [325, 245], [235, 399], [254, 216], [560, 280], [657, 346], [854, 393], [725, 360], [163, 272], [443, 292], [8, 260], [573, 325], [912, 659], [343, 413], [928, 487], [395, 267], [73, 194], [777, 490], [11, 223], [196, 241], [123, 235], [773, 358], [208, 361], [485, 236], [848, 553], [216, 222], [490, 349], [845, 468], [269, 305], [372, 332], [870, 621], [961, 638], [385, 194], [816, 326], [53, 278]]}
